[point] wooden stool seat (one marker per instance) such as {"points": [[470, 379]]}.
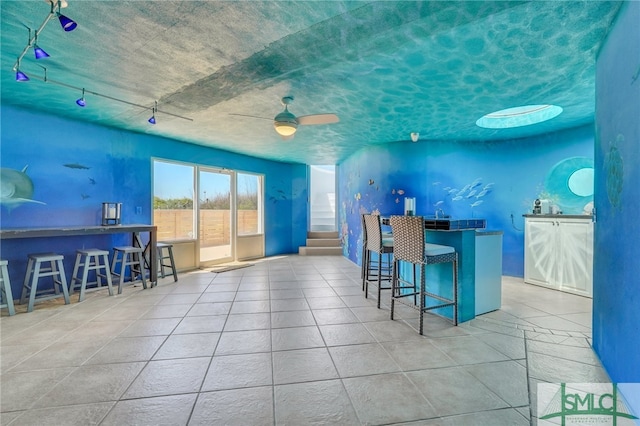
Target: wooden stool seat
{"points": [[90, 260], [130, 256], [37, 269], [165, 252], [6, 296]]}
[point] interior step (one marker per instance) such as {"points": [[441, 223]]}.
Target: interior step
{"points": [[322, 243], [322, 234], [320, 251]]}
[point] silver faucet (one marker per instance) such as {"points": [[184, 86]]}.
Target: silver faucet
{"points": [[439, 212]]}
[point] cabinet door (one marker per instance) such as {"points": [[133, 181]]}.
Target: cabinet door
{"points": [[540, 252], [575, 269]]}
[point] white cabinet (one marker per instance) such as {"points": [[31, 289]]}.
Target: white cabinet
{"points": [[558, 253]]}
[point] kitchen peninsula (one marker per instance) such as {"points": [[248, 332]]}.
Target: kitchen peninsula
{"points": [[479, 265]]}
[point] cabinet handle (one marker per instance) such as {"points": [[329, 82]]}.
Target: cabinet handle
{"points": [[557, 223], [553, 223]]}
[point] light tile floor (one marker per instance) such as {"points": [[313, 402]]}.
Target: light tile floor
{"points": [[290, 340]]}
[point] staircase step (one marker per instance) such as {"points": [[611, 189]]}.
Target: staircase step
{"points": [[320, 251], [322, 234], [323, 242]]}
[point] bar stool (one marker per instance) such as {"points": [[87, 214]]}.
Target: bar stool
{"points": [[381, 246], [6, 296], [128, 256], [36, 270], [365, 252], [410, 247], [165, 252], [90, 260]]}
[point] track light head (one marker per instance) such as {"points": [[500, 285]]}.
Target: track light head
{"points": [[67, 23], [81, 102], [152, 119], [37, 50], [20, 76]]}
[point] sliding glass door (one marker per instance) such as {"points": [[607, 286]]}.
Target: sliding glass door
{"points": [[216, 223], [211, 215]]}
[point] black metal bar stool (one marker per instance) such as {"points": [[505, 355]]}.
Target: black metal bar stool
{"points": [[36, 269], [6, 295], [165, 252], [410, 247], [90, 260], [133, 258], [375, 243]]}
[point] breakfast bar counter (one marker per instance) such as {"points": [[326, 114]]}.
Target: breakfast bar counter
{"points": [[479, 265], [91, 230]]}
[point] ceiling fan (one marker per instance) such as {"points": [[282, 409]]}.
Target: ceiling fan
{"points": [[286, 123]]}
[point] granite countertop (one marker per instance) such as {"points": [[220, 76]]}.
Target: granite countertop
{"points": [[555, 216]]}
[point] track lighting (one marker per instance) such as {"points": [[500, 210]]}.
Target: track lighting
{"points": [[67, 23], [152, 120], [81, 102]]}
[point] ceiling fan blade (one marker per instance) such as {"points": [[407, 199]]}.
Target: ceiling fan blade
{"points": [[307, 120], [251, 116]]}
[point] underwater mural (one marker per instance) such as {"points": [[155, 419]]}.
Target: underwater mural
{"points": [[497, 182], [16, 188], [616, 293], [614, 169]]}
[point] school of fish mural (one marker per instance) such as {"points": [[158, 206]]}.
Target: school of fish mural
{"points": [[472, 194]]}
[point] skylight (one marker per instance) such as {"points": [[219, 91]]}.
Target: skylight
{"points": [[519, 116]]}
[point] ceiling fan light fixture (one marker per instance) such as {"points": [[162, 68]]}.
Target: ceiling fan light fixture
{"points": [[285, 123], [285, 129]]}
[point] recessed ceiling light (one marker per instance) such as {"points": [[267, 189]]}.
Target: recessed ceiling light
{"points": [[519, 116]]}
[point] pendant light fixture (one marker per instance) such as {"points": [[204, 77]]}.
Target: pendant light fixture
{"points": [[81, 102]]}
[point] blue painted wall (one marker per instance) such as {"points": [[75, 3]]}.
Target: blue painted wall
{"points": [[616, 283], [495, 181], [75, 166]]}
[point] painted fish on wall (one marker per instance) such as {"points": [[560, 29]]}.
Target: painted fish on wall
{"points": [[15, 188]]}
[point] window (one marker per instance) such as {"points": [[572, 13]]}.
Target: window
{"points": [[249, 203], [173, 206]]}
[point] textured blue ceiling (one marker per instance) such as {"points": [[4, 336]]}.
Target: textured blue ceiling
{"points": [[385, 68]]}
